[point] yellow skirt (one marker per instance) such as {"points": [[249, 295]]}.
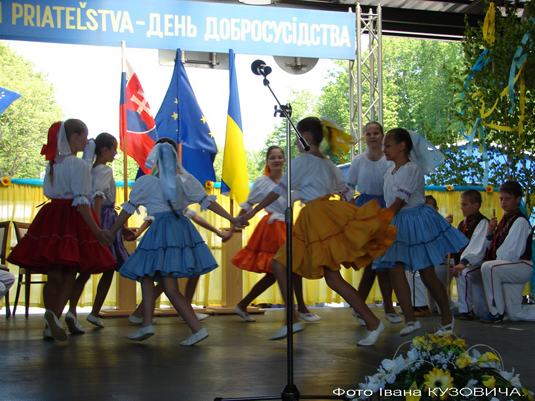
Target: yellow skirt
{"points": [[329, 233]]}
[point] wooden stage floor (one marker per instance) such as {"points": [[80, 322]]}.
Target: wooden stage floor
{"points": [[237, 360]]}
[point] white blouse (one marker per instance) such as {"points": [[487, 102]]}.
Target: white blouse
{"points": [[103, 184], [72, 180], [368, 174], [261, 188], [407, 184], [314, 177], [514, 245], [147, 191]]}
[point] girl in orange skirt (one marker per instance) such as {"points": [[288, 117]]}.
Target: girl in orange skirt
{"points": [[268, 237], [64, 238], [329, 233]]}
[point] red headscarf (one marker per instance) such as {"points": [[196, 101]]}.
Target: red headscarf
{"points": [[51, 146]]}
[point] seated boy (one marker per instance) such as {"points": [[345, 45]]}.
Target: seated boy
{"points": [[508, 256], [467, 269]]}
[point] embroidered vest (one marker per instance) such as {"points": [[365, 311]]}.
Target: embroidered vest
{"points": [[467, 227], [501, 233]]}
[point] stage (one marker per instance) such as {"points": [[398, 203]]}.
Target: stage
{"points": [[237, 360]]}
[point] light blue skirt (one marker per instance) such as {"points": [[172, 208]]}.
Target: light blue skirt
{"points": [[171, 247], [363, 198], [423, 239]]}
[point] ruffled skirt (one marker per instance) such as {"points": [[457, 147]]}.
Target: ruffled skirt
{"points": [[262, 246], [59, 239], [108, 216], [424, 238], [329, 233], [171, 247]]}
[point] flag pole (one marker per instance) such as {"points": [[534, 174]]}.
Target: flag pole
{"points": [[121, 131]]}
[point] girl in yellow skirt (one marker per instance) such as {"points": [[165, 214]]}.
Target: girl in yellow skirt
{"points": [[268, 237], [329, 233]]}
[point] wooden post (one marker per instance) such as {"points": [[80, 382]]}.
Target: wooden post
{"points": [[232, 280]]}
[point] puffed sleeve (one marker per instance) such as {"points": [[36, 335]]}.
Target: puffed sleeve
{"points": [[101, 182], [408, 180], [194, 191], [142, 191], [257, 193], [80, 182]]}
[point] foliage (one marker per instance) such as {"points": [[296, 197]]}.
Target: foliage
{"points": [[24, 124], [444, 368], [487, 85]]}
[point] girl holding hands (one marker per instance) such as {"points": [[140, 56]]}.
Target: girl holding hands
{"points": [[423, 236], [328, 232], [268, 237], [172, 247], [103, 150], [64, 238]]}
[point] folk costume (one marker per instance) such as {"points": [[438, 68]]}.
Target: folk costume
{"points": [[103, 184], [424, 237], [172, 246], [471, 295], [368, 176], [508, 268], [58, 237], [270, 233], [330, 232]]}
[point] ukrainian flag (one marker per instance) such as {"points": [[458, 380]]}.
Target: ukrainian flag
{"points": [[234, 179]]}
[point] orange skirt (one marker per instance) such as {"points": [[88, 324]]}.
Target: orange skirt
{"points": [[266, 240], [329, 233]]}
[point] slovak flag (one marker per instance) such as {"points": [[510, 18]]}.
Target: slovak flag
{"points": [[137, 127]]}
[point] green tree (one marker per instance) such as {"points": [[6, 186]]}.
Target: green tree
{"points": [[24, 124], [487, 85]]}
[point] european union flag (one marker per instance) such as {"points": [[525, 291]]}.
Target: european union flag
{"points": [[181, 119], [6, 98]]}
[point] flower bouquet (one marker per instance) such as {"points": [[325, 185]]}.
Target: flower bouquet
{"points": [[440, 368]]}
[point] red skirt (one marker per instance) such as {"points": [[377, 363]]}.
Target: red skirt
{"points": [[264, 243], [60, 239]]}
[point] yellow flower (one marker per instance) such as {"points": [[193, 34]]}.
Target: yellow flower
{"points": [[438, 379], [527, 394], [6, 181], [412, 394], [488, 381], [463, 360], [460, 343], [449, 187], [488, 357], [209, 185], [489, 189]]}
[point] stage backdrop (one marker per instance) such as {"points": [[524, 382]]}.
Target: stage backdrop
{"points": [[19, 202]]}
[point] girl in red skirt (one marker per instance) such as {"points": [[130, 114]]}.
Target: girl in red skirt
{"points": [[64, 238], [268, 237]]}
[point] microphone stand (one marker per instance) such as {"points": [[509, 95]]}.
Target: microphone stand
{"points": [[290, 391]]}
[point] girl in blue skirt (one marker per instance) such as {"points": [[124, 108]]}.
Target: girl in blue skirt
{"points": [[423, 236], [172, 247]]}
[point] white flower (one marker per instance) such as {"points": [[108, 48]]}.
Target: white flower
{"points": [[512, 378], [394, 365], [373, 383], [471, 383]]}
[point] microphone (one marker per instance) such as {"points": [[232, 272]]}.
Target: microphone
{"points": [[260, 68]]}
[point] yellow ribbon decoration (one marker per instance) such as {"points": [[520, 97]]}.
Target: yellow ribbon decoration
{"points": [[489, 25], [336, 138]]}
